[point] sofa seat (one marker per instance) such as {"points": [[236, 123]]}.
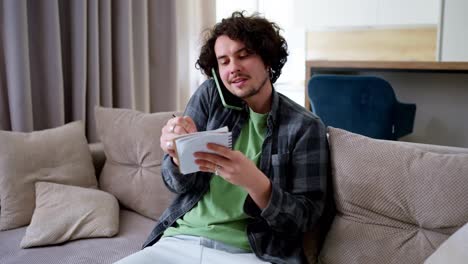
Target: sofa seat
{"points": [[134, 228]]}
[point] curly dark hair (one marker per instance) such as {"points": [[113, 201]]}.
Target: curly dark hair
{"points": [[259, 35]]}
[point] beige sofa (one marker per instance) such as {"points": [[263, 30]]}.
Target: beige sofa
{"points": [[133, 230], [379, 212], [124, 167], [391, 202]]}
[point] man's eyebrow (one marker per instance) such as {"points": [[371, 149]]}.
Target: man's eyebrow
{"points": [[235, 52]]}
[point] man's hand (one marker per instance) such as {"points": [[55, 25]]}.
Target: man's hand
{"points": [[174, 127], [237, 169]]}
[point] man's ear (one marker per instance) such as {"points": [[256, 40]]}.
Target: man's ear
{"points": [[270, 72]]}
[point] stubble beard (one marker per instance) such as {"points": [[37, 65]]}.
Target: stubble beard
{"points": [[255, 90]]}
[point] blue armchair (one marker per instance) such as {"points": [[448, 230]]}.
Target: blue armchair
{"points": [[364, 105]]}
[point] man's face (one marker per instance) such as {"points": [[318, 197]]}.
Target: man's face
{"points": [[243, 73]]}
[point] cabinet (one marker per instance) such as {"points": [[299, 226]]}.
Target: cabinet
{"points": [[321, 14], [454, 31], [404, 12]]}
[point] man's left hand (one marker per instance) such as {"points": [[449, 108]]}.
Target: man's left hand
{"points": [[237, 169]]}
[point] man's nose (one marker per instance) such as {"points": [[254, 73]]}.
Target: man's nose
{"points": [[234, 66]]}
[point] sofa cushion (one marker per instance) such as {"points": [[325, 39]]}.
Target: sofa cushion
{"points": [[133, 230], [396, 203], [132, 170], [59, 155], [66, 213]]}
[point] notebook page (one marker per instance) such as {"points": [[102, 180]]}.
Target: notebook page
{"points": [[187, 146], [184, 137]]}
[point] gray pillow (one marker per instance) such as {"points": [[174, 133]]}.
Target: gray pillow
{"points": [[65, 213], [453, 250], [59, 155], [132, 171], [396, 202]]}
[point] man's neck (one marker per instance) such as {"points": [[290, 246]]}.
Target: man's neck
{"points": [[261, 102]]}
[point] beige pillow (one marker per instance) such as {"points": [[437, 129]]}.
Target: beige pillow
{"points": [[132, 171], [396, 202], [58, 155], [454, 250], [65, 212]]}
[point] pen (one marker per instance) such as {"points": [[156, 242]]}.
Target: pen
{"points": [[183, 114], [172, 128]]}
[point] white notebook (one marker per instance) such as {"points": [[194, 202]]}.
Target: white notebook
{"points": [[186, 145]]}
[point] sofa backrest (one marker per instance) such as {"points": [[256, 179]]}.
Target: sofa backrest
{"points": [[99, 157], [396, 202]]}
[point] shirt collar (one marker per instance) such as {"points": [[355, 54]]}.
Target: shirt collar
{"points": [[274, 107]]}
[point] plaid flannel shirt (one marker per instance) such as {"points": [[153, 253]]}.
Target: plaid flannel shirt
{"points": [[294, 157]]}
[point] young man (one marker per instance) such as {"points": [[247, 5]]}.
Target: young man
{"points": [[253, 203]]}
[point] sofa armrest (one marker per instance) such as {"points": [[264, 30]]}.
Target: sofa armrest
{"points": [[99, 157]]}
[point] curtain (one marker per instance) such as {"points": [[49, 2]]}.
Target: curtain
{"points": [[61, 58]]}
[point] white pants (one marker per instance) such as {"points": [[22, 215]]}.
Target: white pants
{"points": [[188, 250]]}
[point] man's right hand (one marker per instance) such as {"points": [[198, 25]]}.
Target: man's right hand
{"points": [[174, 127]]}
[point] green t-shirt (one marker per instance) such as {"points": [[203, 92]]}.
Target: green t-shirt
{"points": [[219, 215]]}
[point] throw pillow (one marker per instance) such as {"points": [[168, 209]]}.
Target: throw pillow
{"points": [[395, 202], [65, 212], [59, 155], [132, 171], [453, 250]]}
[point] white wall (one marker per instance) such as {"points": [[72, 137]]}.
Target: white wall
{"points": [[454, 31], [224, 8], [321, 14]]}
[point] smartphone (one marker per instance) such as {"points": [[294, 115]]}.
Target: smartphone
{"points": [[227, 98]]}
